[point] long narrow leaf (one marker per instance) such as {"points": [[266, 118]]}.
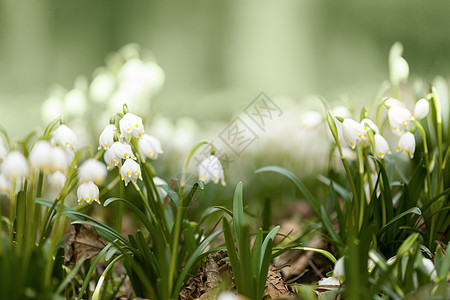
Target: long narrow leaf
{"points": [[414, 210], [238, 212]]}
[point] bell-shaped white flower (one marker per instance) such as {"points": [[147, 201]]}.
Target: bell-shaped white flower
{"points": [[106, 138], [369, 124], [39, 157], [160, 182], [407, 144], [398, 66], [381, 146], [109, 158], [57, 180], [131, 125], [341, 111], [60, 160], [310, 119], [390, 102], [210, 169], [15, 166], [64, 137], [121, 151], [431, 270], [92, 170], [88, 192], [353, 132], [130, 171], [421, 109], [339, 269], [400, 119], [150, 146]]}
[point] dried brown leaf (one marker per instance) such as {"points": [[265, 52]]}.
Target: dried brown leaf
{"points": [[83, 241]]}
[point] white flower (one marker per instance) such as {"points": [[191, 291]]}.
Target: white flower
{"points": [[130, 171], [160, 182], [64, 137], [15, 166], [310, 119], [341, 111], [120, 151], [108, 157], [381, 146], [329, 281], [60, 160], [106, 138], [398, 66], [211, 169], [400, 119], [131, 125], [150, 146], [227, 296], [407, 144], [421, 109], [339, 269], [39, 157], [390, 102], [57, 179], [92, 170], [88, 192], [353, 132], [369, 124], [431, 270]]}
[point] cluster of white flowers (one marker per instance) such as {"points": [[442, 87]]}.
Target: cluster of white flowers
{"points": [[53, 158], [118, 152]]}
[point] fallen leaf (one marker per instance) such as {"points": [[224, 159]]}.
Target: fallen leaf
{"points": [[83, 241]]}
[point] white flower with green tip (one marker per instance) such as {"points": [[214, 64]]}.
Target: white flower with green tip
{"points": [[64, 137], [369, 124], [57, 179], [421, 109], [121, 151], [106, 138], [60, 160], [15, 166], [407, 144], [92, 170], [130, 171], [131, 125], [400, 119], [88, 192], [150, 146], [210, 169], [381, 146], [353, 132], [39, 157]]}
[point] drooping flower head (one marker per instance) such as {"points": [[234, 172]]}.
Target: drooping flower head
{"points": [[121, 151], [15, 166], [88, 192], [400, 119], [92, 170], [407, 144], [353, 132], [381, 146], [210, 169], [131, 125], [64, 137], [57, 180], [150, 146], [60, 159], [130, 171], [106, 138], [421, 109], [39, 157], [369, 124]]}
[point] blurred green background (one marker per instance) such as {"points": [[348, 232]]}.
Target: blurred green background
{"points": [[217, 56]]}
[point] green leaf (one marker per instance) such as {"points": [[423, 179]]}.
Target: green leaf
{"points": [[337, 187], [414, 210], [238, 212], [232, 255], [327, 223], [297, 182]]}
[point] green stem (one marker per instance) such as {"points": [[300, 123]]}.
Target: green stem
{"points": [[12, 212], [96, 294], [359, 153], [437, 105]]}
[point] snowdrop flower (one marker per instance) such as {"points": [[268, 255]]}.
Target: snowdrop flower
{"points": [[130, 171], [39, 157], [398, 66], [407, 144], [310, 119], [390, 102], [92, 170], [106, 138], [88, 192], [210, 169], [400, 119], [369, 124], [353, 132], [131, 125], [15, 166], [160, 182], [109, 158], [341, 111], [60, 160], [339, 269], [421, 109], [64, 137], [57, 179], [120, 151], [227, 296], [150, 146], [431, 270], [381, 146]]}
